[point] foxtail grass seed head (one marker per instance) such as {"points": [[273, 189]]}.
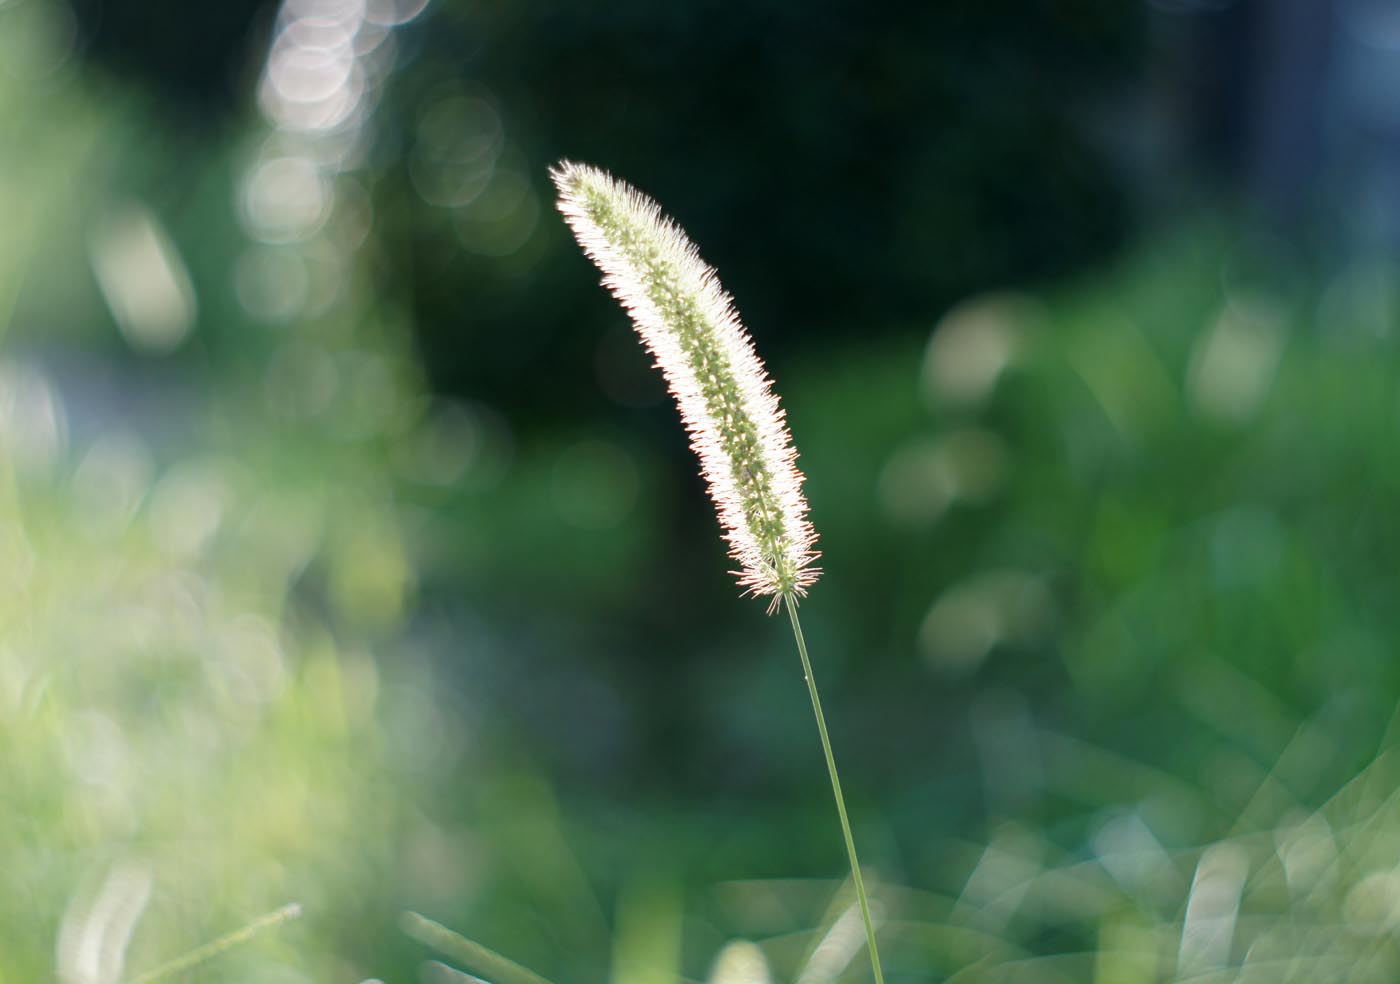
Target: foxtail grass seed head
{"points": [[726, 400]]}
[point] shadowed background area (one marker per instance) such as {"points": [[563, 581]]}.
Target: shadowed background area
{"points": [[351, 553]]}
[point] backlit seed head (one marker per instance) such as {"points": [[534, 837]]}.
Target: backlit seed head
{"points": [[726, 400]]}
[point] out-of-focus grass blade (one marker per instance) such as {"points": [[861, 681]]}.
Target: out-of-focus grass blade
{"points": [[837, 947], [741, 962], [834, 946], [647, 944], [501, 970], [227, 942], [437, 972]]}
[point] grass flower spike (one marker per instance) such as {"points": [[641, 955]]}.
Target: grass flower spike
{"points": [[736, 427], [689, 324]]}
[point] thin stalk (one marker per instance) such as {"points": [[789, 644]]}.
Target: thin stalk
{"points": [[228, 942], [836, 789]]}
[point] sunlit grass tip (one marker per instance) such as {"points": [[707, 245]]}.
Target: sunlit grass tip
{"points": [[725, 397]]}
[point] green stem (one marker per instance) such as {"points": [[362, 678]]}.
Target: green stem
{"points": [[836, 788], [203, 953]]}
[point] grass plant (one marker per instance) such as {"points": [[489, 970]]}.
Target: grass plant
{"points": [[737, 428]]}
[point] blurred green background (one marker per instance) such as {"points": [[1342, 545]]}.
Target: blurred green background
{"points": [[351, 555]]}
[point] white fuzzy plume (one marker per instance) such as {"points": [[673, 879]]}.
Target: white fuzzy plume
{"points": [[689, 324]]}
